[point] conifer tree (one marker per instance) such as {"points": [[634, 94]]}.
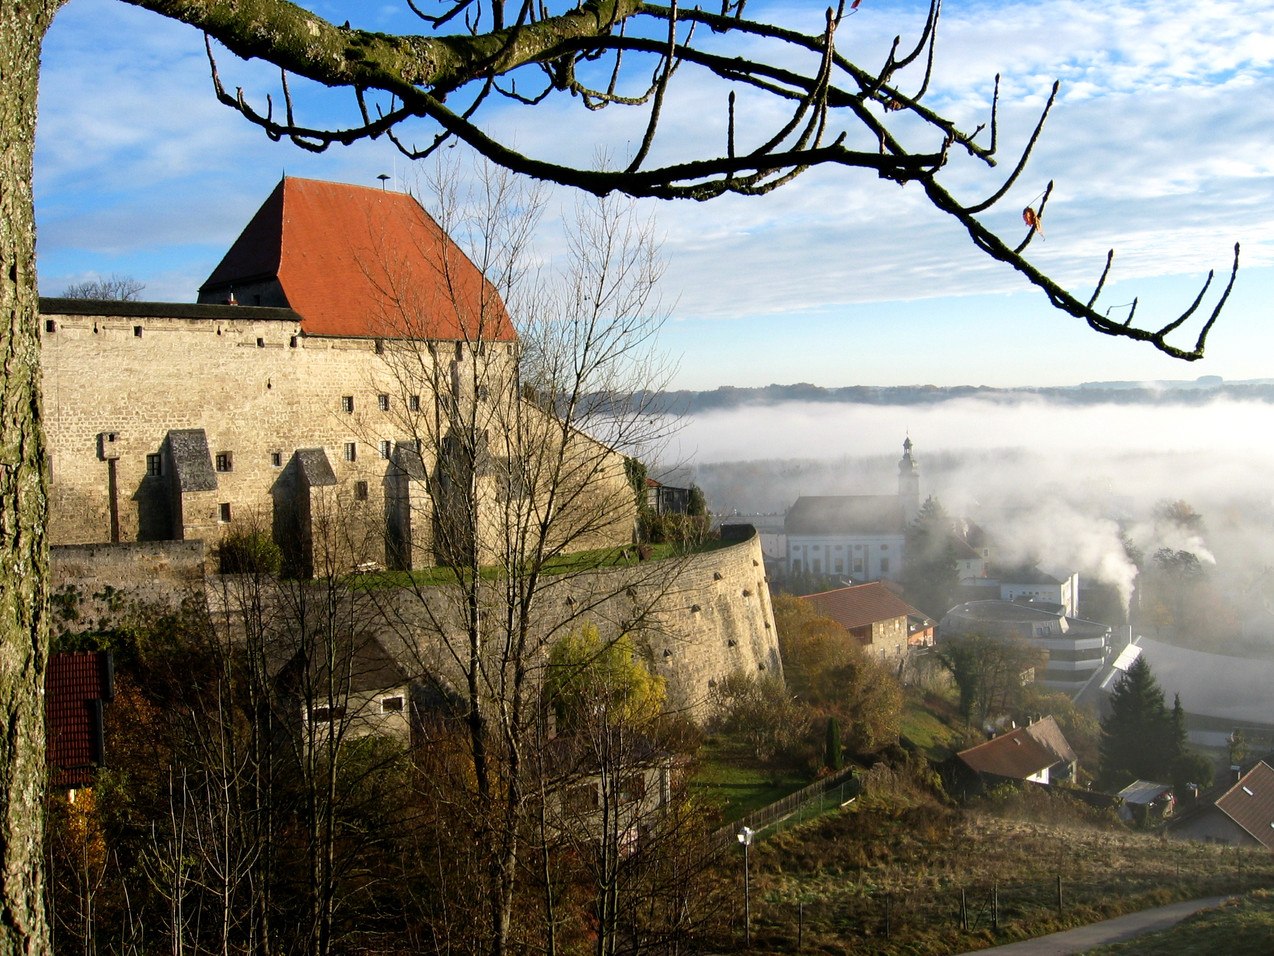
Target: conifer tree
{"points": [[1140, 738]]}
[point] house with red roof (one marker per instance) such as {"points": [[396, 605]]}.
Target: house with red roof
{"points": [[310, 393], [77, 684], [1036, 753], [884, 624], [1242, 816]]}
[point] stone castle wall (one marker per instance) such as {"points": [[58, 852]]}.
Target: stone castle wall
{"points": [[120, 378], [248, 377], [696, 619], [94, 582]]}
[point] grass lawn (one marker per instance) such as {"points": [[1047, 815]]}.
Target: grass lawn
{"points": [[725, 777], [931, 725]]}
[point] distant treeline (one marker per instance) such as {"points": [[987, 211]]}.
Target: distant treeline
{"points": [[1096, 393]]}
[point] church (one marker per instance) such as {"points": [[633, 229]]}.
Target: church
{"points": [[862, 537]]}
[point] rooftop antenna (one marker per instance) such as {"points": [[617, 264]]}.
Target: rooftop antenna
{"points": [[383, 177]]}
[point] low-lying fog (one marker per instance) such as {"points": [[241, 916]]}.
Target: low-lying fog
{"points": [[1052, 482]]}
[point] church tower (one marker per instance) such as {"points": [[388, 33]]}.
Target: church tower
{"points": [[908, 483]]}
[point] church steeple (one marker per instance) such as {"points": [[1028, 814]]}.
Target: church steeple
{"points": [[908, 482]]}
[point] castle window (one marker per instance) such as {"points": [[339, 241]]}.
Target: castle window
{"points": [[351, 451], [389, 705], [384, 449], [347, 404], [137, 331], [50, 326], [360, 491], [380, 346], [260, 343], [292, 342], [383, 401], [223, 511], [276, 459], [225, 461], [154, 466], [413, 403]]}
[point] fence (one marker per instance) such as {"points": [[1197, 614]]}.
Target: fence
{"points": [[838, 787]]}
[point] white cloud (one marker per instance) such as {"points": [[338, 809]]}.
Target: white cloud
{"points": [[1159, 146]]}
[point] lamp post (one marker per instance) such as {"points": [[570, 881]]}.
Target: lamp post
{"points": [[745, 837]]}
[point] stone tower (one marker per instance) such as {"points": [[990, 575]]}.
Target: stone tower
{"points": [[908, 483]]}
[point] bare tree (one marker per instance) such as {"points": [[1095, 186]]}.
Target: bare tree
{"points": [[530, 508], [116, 288], [837, 113]]}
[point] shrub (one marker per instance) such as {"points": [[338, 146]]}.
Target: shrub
{"points": [[248, 552]]}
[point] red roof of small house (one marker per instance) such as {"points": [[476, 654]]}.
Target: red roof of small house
{"points": [[1250, 803], [75, 684], [1020, 753], [361, 262], [861, 605]]}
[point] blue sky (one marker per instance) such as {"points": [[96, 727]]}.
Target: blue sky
{"points": [[1160, 147]]}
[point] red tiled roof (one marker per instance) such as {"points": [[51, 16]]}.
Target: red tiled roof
{"points": [[861, 605], [74, 686], [1015, 755], [1250, 803], [362, 262]]}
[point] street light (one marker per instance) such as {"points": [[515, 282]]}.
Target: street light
{"points": [[745, 837]]}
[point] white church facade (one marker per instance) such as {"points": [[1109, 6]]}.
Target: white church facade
{"points": [[860, 537]]}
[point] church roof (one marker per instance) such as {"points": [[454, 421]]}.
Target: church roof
{"points": [[362, 262], [846, 514], [861, 605]]}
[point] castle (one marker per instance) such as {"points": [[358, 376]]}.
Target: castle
{"points": [[345, 359], [349, 385]]}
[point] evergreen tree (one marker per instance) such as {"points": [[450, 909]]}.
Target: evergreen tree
{"points": [[931, 574], [1140, 738], [832, 757]]}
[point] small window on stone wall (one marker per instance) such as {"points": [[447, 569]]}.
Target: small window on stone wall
{"points": [[137, 331], [154, 466], [225, 461], [347, 404], [351, 451], [260, 343], [414, 403], [223, 511], [276, 459], [360, 491], [382, 401], [389, 705], [384, 449], [50, 326]]}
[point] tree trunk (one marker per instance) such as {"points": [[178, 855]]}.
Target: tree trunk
{"points": [[23, 495]]}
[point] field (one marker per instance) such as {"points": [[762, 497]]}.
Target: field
{"points": [[888, 874]]}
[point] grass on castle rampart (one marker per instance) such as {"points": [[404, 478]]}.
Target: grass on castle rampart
{"points": [[577, 562]]}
